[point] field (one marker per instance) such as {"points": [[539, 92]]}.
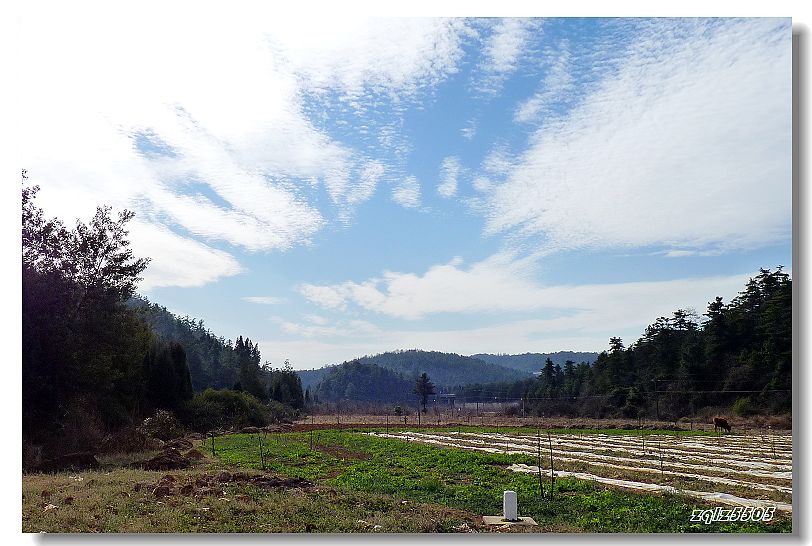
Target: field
{"points": [[430, 480]]}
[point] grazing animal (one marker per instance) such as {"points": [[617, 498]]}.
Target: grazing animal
{"points": [[718, 423]]}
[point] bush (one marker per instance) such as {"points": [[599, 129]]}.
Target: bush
{"points": [[164, 426], [217, 409], [82, 428], [742, 407]]}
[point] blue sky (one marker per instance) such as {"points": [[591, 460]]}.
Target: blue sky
{"points": [[337, 187]]}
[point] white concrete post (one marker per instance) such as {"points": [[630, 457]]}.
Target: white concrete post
{"points": [[509, 506]]}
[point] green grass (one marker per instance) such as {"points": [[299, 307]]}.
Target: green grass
{"points": [[470, 481]]}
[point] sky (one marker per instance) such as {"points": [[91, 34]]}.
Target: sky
{"points": [[335, 187]]}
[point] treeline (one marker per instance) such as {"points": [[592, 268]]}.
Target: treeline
{"points": [[534, 362], [363, 382], [737, 356], [218, 363], [94, 362], [445, 369]]}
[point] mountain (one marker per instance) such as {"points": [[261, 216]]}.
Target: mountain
{"points": [[310, 378], [534, 362], [445, 370]]}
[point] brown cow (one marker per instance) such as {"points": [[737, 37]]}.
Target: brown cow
{"points": [[718, 423]]}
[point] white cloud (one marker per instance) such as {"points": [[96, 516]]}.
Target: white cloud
{"points": [[224, 111], [504, 47], [574, 317], [407, 193], [503, 283], [482, 184], [176, 260], [557, 85], [343, 329], [393, 54], [264, 300], [449, 171], [316, 319], [686, 144], [469, 131], [364, 188]]}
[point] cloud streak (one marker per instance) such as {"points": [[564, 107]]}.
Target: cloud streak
{"points": [[684, 144], [503, 283], [449, 171], [207, 136]]}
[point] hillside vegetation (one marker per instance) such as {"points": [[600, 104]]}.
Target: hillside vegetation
{"points": [[534, 362]]}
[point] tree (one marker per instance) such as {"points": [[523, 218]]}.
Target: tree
{"points": [[80, 341], [615, 345], [286, 387], [423, 388]]}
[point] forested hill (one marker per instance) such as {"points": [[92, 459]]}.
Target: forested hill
{"points": [[310, 378], [213, 361], [361, 382], [444, 369], [534, 362]]}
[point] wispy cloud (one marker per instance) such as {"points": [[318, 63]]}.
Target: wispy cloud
{"points": [[503, 49], [686, 144], [264, 300], [556, 87], [469, 131], [407, 193], [504, 283], [342, 329], [232, 122], [449, 171]]}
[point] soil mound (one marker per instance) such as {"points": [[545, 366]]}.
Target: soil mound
{"points": [[168, 459], [70, 461]]}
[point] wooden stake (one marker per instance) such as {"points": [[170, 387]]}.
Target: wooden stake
{"points": [[552, 467], [538, 441]]}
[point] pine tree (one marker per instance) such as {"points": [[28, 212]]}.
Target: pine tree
{"points": [[423, 388]]}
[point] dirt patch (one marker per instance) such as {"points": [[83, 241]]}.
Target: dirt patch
{"points": [[340, 452], [194, 454], [179, 444], [168, 459], [213, 484]]}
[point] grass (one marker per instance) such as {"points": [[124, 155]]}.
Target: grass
{"points": [[359, 484], [470, 481], [107, 502]]}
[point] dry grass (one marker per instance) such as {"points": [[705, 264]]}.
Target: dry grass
{"points": [[124, 500]]}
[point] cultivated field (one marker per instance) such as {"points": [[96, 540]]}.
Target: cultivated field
{"points": [[384, 479], [731, 470]]}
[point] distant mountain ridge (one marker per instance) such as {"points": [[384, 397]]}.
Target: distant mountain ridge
{"points": [[534, 362], [445, 370]]}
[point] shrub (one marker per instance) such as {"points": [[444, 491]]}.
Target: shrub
{"points": [[82, 428], [164, 426], [213, 409], [742, 407], [32, 456]]}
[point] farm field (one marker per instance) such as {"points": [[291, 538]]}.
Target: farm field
{"points": [[469, 467], [427, 480]]}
